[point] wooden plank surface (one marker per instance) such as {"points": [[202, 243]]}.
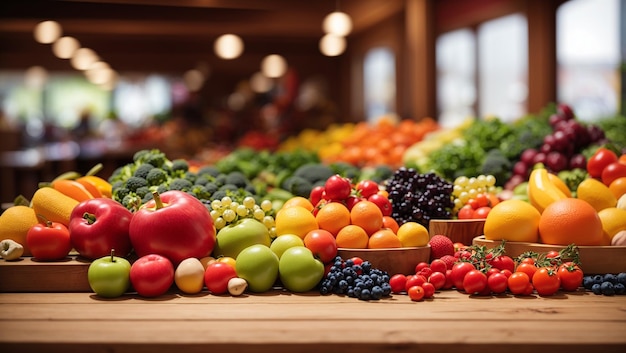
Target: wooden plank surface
{"points": [[279, 321], [30, 275]]}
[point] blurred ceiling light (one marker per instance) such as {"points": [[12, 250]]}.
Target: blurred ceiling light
{"points": [[65, 47], [337, 23], [47, 32], [99, 73], [110, 84], [259, 83], [35, 77], [332, 45], [83, 58], [194, 79], [274, 66], [228, 46], [236, 101]]}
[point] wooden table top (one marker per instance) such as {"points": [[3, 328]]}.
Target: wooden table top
{"points": [[279, 321]]}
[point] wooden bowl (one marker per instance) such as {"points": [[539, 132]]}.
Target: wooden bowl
{"points": [[594, 259], [393, 261], [458, 230]]}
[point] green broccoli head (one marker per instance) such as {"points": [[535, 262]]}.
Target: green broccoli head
{"points": [[498, 165], [133, 183], [140, 156], [120, 192], [200, 192], [143, 170], [156, 158], [298, 186], [142, 191], [237, 178], [181, 184], [314, 172], [208, 170], [179, 165], [132, 202], [156, 176], [346, 170]]}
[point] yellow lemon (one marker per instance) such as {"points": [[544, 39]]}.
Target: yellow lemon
{"points": [[613, 221], [413, 234], [513, 220], [596, 194]]}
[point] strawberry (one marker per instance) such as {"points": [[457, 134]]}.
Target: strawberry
{"points": [[440, 245]]}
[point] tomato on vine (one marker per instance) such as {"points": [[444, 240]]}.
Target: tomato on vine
{"points": [[571, 276], [528, 268], [518, 282], [546, 281]]}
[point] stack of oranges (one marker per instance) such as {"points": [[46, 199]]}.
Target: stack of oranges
{"points": [[362, 226]]}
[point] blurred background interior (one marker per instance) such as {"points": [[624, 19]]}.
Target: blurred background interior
{"points": [[88, 81]]}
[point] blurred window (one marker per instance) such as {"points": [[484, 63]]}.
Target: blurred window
{"points": [[379, 83]]}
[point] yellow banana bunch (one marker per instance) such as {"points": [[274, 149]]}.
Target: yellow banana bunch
{"points": [[541, 190]]}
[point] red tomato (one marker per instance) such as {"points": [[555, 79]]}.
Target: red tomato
{"points": [[322, 243], [602, 158], [382, 202], [466, 212], [414, 280], [416, 293], [506, 272], [474, 282], [527, 268], [613, 171], [420, 266], [571, 276], [473, 203], [497, 283], [337, 188], [429, 289], [459, 270], [317, 194], [367, 188], [357, 260], [482, 200], [546, 281], [449, 283], [482, 212], [518, 282], [438, 279], [426, 272], [503, 262], [49, 241], [438, 265], [217, 275], [397, 283]]}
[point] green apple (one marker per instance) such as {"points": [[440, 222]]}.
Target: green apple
{"points": [[109, 276], [299, 270], [284, 242], [258, 265], [239, 235]]}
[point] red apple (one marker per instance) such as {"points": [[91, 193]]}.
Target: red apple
{"points": [[322, 244], [152, 275], [175, 225]]}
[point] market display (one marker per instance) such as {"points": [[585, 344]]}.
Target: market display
{"points": [[258, 220]]}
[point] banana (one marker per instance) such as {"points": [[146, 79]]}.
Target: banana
{"points": [[541, 190]]}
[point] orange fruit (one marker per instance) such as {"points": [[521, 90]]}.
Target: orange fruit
{"points": [[413, 234], [618, 187], [512, 220], [384, 239], [299, 201], [352, 237], [295, 220], [15, 222], [390, 222], [367, 215], [569, 221], [333, 216]]}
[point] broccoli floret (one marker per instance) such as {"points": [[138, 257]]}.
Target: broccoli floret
{"points": [[180, 184], [496, 164], [208, 170], [314, 172], [251, 189], [298, 186], [133, 183], [156, 177], [131, 202], [143, 170], [180, 165], [200, 192], [120, 193], [140, 156], [218, 195], [204, 179], [191, 176], [220, 179], [156, 158], [142, 191], [162, 188], [147, 197], [237, 178], [227, 187], [211, 188], [121, 174]]}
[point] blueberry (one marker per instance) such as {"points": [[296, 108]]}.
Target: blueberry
{"points": [[596, 289], [588, 282], [609, 277], [386, 288], [377, 292], [350, 292], [598, 279], [324, 290], [343, 284], [349, 263], [367, 266], [607, 288], [621, 278], [365, 294], [619, 289]]}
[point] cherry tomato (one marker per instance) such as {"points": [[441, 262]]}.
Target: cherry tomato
{"points": [[414, 280], [613, 171], [497, 283], [506, 272], [518, 282], [426, 272], [482, 200], [459, 270], [491, 271], [438, 279], [382, 202], [317, 194], [352, 200], [429, 289], [420, 266], [600, 159], [416, 293], [482, 212], [337, 188], [49, 241], [528, 260], [449, 283], [397, 283], [466, 212], [571, 276], [527, 268], [503, 262], [546, 281], [474, 282], [367, 188], [438, 265]]}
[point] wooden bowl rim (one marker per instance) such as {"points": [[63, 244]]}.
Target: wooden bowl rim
{"points": [[522, 243]]}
